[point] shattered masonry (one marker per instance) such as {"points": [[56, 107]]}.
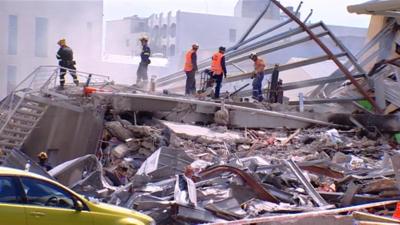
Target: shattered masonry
{"points": [[194, 160]]}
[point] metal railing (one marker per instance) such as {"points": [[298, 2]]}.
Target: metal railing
{"points": [[41, 80]]}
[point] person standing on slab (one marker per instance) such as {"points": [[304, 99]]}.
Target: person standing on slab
{"points": [[191, 69]]}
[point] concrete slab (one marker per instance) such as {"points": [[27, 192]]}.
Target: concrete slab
{"points": [[193, 132]]}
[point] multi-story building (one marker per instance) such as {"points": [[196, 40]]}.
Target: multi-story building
{"points": [[253, 8], [30, 31], [172, 34], [122, 35]]}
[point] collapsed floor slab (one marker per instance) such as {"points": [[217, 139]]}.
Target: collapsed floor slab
{"points": [[264, 118]]}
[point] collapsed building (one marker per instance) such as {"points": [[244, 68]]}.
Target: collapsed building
{"points": [[329, 156]]}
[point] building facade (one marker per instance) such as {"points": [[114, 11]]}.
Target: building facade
{"points": [[172, 34], [30, 31], [122, 36]]}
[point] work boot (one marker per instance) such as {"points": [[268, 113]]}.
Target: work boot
{"points": [[60, 88], [76, 82]]}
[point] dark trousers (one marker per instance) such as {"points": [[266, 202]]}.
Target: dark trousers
{"points": [[218, 80], [257, 86], [71, 69], [190, 83], [141, 72]]}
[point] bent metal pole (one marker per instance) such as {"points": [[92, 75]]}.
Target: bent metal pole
{"points": [[345, 71]]}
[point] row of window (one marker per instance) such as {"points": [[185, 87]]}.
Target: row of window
{"points": [[41, 36], [164, 31]]}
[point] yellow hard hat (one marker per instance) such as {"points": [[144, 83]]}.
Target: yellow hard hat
{"points": [[42, 155], [61, 42]]}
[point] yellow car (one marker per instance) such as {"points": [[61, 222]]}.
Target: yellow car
{"points": [[31, 199]]}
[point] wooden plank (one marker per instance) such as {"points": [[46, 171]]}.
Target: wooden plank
{"points": [[285, 142]]}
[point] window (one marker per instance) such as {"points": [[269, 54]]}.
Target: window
{"points": [[11, 78], [42, 193], [172, 31], [164, 31], [164, 50], [12, 34], [41, 35], [141, 27], [232, 35], [172, 50], [8, 191]]}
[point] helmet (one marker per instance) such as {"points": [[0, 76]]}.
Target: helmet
{"points": [[222, 48], [195, 46], [61, 42], [251, 56], [42, 155], [144, 38]]}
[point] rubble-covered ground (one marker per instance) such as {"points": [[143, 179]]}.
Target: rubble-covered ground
{"points": [[187, 174]]}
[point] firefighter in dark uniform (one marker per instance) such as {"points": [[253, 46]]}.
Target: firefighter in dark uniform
{"points": [[141, 74], [42, 156], [65, 57]]}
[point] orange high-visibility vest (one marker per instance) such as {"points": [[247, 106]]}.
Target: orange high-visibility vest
{"points": [[216, 63], [188, 61], [259, 65]]}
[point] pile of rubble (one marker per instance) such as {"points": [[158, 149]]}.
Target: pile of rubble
{"points": [[187, 174]]}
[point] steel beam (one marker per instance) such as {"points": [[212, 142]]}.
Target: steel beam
{"points": [[277, 48], [262, 34], [257, 188], [309, 188], [267, 31], [351, 57], [270, 40], [345, 71], [178, 75], [316, 81], [252, 25], [383, 33], [308, 16], [324, 101], [285, 67]]}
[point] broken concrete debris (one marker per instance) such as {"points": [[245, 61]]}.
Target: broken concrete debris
{"points": [[194, 159], [180, 173]]}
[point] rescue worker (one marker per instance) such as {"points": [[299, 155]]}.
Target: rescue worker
{"points": [[191, 69], [122, 174], [219, 69], [65, 57], [141, 74], [258, 76], [42, 156]]}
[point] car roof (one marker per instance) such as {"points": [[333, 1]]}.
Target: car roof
{"points": [[18, 172], [7, 171]]}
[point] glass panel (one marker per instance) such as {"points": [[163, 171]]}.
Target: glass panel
{"points": [[8, 191], [12, 34], [41, 35], [42, 193]]}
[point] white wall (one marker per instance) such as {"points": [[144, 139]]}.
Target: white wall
{"points": [[80, 22]]}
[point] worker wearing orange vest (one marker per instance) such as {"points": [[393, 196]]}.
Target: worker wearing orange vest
{"points": [[219, 69], [258, 76], [190, 70]]}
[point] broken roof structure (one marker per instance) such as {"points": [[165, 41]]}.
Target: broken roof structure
{"points": [[388, 8], [193, 159]]}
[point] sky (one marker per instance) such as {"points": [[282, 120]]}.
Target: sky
{"points": [[332, 12]]}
